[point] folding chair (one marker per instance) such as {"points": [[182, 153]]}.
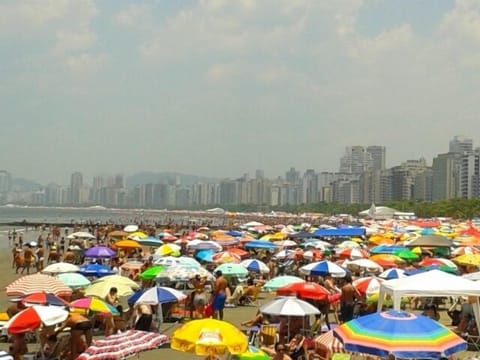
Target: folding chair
{"points": [[251, 299], [269, 335]]}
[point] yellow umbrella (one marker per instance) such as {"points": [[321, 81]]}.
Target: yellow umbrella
{"points": [[209, 337], [101, 289], [388, 257], [380, 240], [168, 249], [468, 259], [139, 234]]}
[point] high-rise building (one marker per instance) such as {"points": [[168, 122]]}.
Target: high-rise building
{"points": [[445, 175], [403, 178], [469, 175], [378, 155], [76, 184], [356, 160], [5, 181], [292, 176], [460, 145]]}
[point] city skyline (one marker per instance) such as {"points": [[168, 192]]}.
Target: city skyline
{"points": [[220, 88]]}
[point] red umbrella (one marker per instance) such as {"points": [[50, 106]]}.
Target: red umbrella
{"points": [[33, 317], [353, 253], [368, 285], [306, 290]]}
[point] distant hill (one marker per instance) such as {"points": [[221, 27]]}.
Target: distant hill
{"points": [[166, 178], [19, 184]]}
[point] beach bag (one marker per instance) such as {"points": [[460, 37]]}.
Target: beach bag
{"points": [[209, 310]]}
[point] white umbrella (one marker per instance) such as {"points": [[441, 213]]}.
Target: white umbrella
{"points": [[159, 295], [130, 228], [81, 235], [289, 306], [255, 265], [181, 261], [198, 244], [285, 243], [60, 267], [322, 268], [366, 264]]}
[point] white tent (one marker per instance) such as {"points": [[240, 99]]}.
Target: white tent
{"points": [[434, 283]]}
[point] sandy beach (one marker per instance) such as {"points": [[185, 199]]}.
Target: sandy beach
{"points": [[233, 315]]}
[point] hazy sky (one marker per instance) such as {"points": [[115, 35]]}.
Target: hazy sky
{"points": [[224, 87]]}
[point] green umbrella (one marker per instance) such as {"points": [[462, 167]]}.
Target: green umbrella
{"points": [[73, 280], [152, 272], [230, 269], [280, 281], [252, 353], [406, 255]]}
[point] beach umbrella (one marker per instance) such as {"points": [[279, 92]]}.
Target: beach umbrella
{"points": [[399, 333], [34, 283], [130, 228], [368, 285], [252, 353], [315, 254], [406, 254], [255, 265], [465, 250], [99, 252], [168, 249], [284, 254], [305, 290], [177, 261], [123, 345], [204, 245], [386, 249], [43, 298], [34, 317], [94, 304], [152, 272], [165, 236], [468, 259], [285, 243], [230, 270], [348, 244], [127, 244], [288, 306], [150, 241], [322, 268], [392, 274], [352, 253], [81, 235], [260, 244], [97, 270], [279, 281], [132, 299], [209, 337], [73, 280], [438, 262], [179, 273], [159, 295], [115, 280], [117, 234], [329, 342], [226, 257], [60, 267], [390, 258], [102, 289], [205, 255], [365, 264]]}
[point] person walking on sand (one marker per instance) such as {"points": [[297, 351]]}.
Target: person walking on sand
{"points": [[219, 295], [28, 258]]}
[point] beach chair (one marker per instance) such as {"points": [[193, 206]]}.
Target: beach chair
{"points": [[269, 334]]}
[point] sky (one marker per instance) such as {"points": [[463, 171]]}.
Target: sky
{"points": [[224, 87]]}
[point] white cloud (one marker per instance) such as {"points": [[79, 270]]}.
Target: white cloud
{"points": [[74, 40], [85, 63], [133, 15]]}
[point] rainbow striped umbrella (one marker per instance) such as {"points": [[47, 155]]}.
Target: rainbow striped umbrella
{"points": [[399, 333]]}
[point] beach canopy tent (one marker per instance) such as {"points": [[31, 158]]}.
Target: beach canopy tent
{"points": [[431, 240], [434, 283], [349, 231]]}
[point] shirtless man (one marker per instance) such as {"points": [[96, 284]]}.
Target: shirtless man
{"points": [[27, 258], [347, 299], [79, 325], [219, 295], [199, 295]]}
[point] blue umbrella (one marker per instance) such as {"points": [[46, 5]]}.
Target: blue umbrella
{"points": [[135, 296], [150, 241], [160, 295], [234, 233], [393, 273], [260, 244], [97, 270], [99, 252], [205, 255], [387, 249]]}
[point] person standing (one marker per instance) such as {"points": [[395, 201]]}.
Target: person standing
{"points": [[199, 296], [219, 295], [347, 300], [28, 258]]}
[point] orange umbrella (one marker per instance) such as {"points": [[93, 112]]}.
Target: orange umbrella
{"points": [[380, 240], [128, 244]]}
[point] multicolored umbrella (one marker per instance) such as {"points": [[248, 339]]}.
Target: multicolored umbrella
{"points": [[209, 337], [392, 274], [323, 268], [255, 266], [34, 317], [159, 295], [279, 281], [35, 283], [305, 290], [438, 262], [123, 345], [59, 268], [73, 280], [94, 304], [399, 333], [43, 298], [353, 253], [226, 257], [152, 272], [252, 353], [99, 252], [368, 285]]}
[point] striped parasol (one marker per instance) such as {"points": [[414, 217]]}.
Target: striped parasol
{"points": [[34, 283], [123, 345], [329, 342]]}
